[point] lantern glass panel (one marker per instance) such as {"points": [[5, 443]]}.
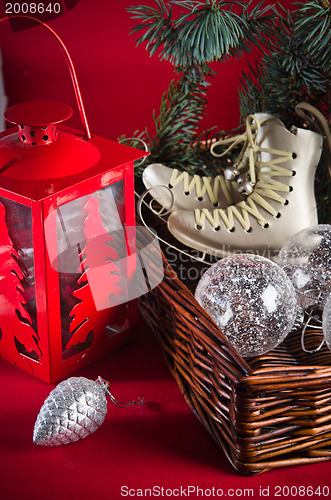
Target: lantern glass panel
{"points": [[17, 280], [93, 267]]}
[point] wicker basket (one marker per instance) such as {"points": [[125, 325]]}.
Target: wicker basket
{"points": [[267, 412]]}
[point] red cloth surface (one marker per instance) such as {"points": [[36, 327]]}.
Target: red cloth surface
{"points": [[158, 445]]}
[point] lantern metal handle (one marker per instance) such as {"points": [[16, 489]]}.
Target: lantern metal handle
{"points": [[70, 64]]}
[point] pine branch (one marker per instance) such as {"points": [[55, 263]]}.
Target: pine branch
{"points": [[158, 27], [312, 29], [295, 67], [261, 24], [289, 72], [207, 31]]}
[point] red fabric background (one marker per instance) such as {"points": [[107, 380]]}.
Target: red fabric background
{"points": [[159, 444]]}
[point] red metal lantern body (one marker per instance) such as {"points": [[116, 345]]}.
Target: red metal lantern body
{"points": [[66, 250], [67, 238]]}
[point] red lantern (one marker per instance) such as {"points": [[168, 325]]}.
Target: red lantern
{"points": [[67, 254]]}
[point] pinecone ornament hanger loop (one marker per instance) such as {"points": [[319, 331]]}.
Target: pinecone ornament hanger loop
{"points": [[106, 385], [73, 410]]}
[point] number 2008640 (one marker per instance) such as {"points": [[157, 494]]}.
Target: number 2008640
{"points": [[301, 491], [33, 8]]}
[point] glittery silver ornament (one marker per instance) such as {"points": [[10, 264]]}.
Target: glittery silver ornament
{"points": [[252, 301], [306, 259], [73, 410]]}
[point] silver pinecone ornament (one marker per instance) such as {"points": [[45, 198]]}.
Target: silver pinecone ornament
{"points": [[73, 410]]}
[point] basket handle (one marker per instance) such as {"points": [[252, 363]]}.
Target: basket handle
{"points": [[70, 64]]}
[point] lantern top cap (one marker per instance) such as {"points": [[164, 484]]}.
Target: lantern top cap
{"points": [[38, 113]]}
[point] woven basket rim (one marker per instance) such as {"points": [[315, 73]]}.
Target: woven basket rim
{"points": [[266, 412], [186, 294]]}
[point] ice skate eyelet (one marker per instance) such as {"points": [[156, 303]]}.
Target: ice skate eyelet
{"points": [[294, 156], [286, 202], [197, 227], [277, 216], [186, 193], [200, 198], [170, 186], [215, 204], [290, 189], [293, 173], [231, 230], [249, 230], [217, 228], [266, 225]]}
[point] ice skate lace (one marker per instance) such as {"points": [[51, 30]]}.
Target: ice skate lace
{"points": [[202, 185], [213, 185], [247, 157], [266, 187]]}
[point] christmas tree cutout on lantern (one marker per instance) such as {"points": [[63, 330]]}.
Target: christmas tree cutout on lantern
{"points": [[99, 280], [16, 331]]}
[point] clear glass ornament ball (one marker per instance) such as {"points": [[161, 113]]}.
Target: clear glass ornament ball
{"points": [[251, 300], [306, 259], [326, 321]]}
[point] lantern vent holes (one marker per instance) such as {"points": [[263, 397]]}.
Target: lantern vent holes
{"points": [[36, 135]]}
